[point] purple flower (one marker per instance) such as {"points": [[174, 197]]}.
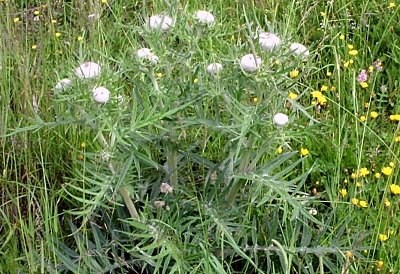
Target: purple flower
{"points": [[378, 65], [362, 77]]}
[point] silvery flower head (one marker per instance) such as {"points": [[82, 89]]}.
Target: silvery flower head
{"points": [[205, 17], [299, 49], [145, 54], [88, 70], [160, 21], [166, 188], [63, 84], [214, 68], [101, 95], [250, 63], [280, 119], [269, 41]]}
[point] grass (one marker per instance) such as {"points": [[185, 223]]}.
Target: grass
{"points": [[81, 181]]}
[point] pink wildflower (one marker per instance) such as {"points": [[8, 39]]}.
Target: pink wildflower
{"points": [[362, 77]]}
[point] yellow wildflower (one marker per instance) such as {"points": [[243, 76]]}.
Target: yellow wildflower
{"points": [[364, 84], [387, 170], [363, 118], [104, 1], [392, 5], [159, 74], [324, 88], [363, 172], [394, 117], [341, 37], [195, 80], [397, 139], [304, 152], [351, 61], [353, 52], [353, 176], [16, 20], [377, 175], [294, 73], [387, 203], [394, 189], [363, 203], [358, 184], [383, 237], [323, 14], [346, 64], [350, 47], [391, 164], [319, 96], [333, 88], [328, 73], [343, 192], [292, 95], [370, 68], [279, 150], [57, 34], [53, 21], [34, 46], [80, 38], [36, 12], [354, 201], [374, 114]]}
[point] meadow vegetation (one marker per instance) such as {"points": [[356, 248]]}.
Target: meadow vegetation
{"points": [[249, 137]]}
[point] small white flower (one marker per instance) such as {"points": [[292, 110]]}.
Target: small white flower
{"points": [[93, 16], [88, 70], [63, 84], [299, 49], [146, 54], [166, 188], [269, 41], [101, 95], [160, 21], [205, 17], [280, 119], [313, 211], [214, 68], [250, 63], [159, 204]]}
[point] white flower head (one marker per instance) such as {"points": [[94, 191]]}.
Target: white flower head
{"points": [[94, 16], [299, 49], [161, 21], [313, 212], [280, 119], [166, 188], [88, 70], [205, 17], [159, 204], [63, 84], [214, 68], [250, 63], [269, 41], [101, 95], [145, 54]]}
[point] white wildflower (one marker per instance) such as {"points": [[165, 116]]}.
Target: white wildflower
{"points": [[146, 54], [250, 63], [93, 16], [63, 84], [159, 204], [166, 188], [88, 70], [299, 49], [269, 41], [280, 119], [161, 21], [214, 68], [205, 17], [101, 95], [313, 211]]}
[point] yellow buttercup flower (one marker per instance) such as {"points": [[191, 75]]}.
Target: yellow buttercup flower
{"points": [[363, 118], [350, 47], [294, 73], [363, 172], [394, 117], [292, 95], [397, 139], [319, 96], [363, 203], [383, 237], [324, 88], [374, 114], [343, 192], [364, 84], [394, 189], [387, 170], [328, 73], [279, 150], [304, 152], [379, 264], [341, 37], [392, 5], [353, 52], [354, 201], [377, 175], [387, 203]]}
